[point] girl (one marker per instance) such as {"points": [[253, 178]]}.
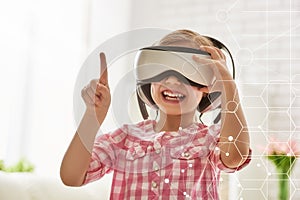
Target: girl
{"points": [[173, 157]]}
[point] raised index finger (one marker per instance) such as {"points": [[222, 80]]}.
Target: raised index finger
{"points": [[103, 70]]}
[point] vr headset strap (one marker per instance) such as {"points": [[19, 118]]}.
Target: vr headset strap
{"points": [[143, 108]]}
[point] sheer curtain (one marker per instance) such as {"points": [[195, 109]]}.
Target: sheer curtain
{"points": [[43, 45]]}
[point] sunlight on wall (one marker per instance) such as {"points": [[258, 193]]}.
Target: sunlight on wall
{"points": [[43, 44], [43, 47]]}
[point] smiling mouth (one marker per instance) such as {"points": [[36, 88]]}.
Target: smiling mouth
{"points": [[172, 96]]}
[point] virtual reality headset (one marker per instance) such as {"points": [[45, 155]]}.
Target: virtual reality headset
{"points": [[153, 64]]}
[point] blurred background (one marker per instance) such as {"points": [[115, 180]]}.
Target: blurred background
{"points": [[43, 45]]}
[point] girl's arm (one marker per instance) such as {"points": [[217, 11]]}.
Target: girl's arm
{"points": [[77, 157], [234, 139]]}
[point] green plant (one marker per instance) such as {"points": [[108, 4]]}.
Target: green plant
{"points": [[283, 155], [2, 167], [22, 165]]}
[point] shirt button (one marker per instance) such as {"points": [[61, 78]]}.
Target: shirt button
{"points": [[167, 136], [185, 154], [157, 151], [154, 184], [156, 168]]}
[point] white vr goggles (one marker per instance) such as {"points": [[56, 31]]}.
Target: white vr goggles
{"points": [[153, 64]]}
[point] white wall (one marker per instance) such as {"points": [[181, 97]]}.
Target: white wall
{"points": [[43, 45], [41, 48]]}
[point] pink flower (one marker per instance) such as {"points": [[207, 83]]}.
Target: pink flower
{"points": [[294, 148], [283, 155], [276, 147]]}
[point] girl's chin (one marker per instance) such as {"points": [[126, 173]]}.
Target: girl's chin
{"points": [[170, 110]]}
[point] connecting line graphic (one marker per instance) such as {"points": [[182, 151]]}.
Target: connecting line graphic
{"points": [[276, 37], [270, 79]]}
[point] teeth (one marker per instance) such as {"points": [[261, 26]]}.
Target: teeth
{"points": [[173, 95]]}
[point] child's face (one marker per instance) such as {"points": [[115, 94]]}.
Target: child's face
{"points": [[173, 97]]}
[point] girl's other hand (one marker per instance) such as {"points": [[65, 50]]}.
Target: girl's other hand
{"points": [[217, 64]]}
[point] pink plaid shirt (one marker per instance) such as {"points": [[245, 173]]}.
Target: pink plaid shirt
{"points": [[166, 165]]}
